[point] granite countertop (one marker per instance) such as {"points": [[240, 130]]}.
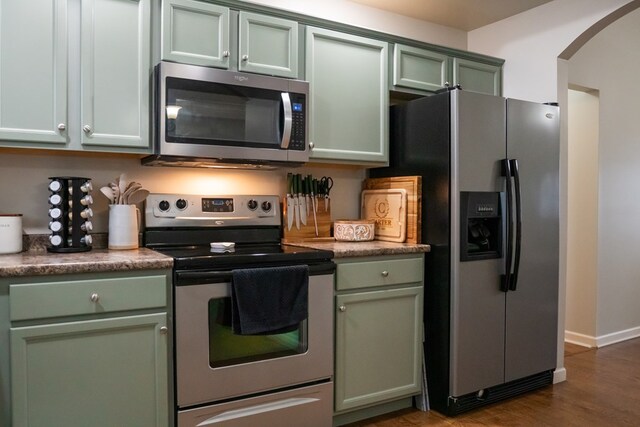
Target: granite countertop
{"points": [[372, 248], [38, 263]]}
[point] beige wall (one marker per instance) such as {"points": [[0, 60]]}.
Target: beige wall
{"points": [[610, 63], [367, 17], [582, 224], [531, 42]]}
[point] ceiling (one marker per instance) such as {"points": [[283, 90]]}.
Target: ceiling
{"points": [[465, 15]]}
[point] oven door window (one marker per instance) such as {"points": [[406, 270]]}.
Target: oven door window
{"points": [[222, 114], [226, 348]]}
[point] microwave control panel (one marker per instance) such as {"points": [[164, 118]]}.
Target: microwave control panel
{"points": [[298, 128]]}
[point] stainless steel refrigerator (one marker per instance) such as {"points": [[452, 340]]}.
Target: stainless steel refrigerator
{"points": [[490, 169]]}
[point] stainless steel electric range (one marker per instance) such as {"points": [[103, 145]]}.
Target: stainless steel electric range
{"points": [[222, 378]]}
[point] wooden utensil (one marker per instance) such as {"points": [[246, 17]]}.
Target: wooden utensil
{"points": [[137, 196]]}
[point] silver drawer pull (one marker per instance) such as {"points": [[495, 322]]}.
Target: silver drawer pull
{"points": [[94, 297], [163, 330], [342, 308], [385, 273]]}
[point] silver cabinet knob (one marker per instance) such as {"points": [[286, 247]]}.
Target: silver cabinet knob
{"points": [[245, 57], [342, 308], [225, 54], [385, 273], [94, 297], [163, 330], [62, 127], [446, 84], [311, 145], [87, 129]]}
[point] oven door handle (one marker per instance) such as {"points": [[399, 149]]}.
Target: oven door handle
{"points": [[226, 276], [210, 276]]}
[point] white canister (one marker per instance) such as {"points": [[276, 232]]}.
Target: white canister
{"points": [[10, 233]]}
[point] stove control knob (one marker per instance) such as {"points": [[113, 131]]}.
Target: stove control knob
{"points": [[252, 204], [164, 205], [266, 206], [181, 204]]}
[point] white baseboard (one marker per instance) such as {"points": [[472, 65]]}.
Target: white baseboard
{"points": [[619, 336], [580, 339], [602, 340], [559, 375]]}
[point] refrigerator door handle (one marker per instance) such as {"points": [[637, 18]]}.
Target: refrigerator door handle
{"points": [[516, 262], [505, 281]]}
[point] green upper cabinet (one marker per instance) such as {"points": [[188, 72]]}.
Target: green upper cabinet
{"points": [[33, 71], [477, 76], [268, 45], [200, 33], [195, 32], [349, 96], [115, 70], [419, 69], [59, 92]]}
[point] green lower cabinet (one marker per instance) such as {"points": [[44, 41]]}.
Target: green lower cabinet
{"points": [[105, 372], [378, 346]]}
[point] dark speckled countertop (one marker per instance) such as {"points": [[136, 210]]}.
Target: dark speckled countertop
{"points": [[372, 248], [38, 263]]}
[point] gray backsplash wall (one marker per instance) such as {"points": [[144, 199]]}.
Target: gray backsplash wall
{"points": [[24, 178]]}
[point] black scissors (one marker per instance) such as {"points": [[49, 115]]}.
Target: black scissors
{"points": [[326, 183]]}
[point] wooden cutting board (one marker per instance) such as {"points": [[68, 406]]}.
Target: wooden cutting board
{"points": [[413, 186], [388, 208]]}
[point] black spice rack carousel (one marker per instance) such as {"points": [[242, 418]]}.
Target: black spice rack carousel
{"points": [[70, 214]]}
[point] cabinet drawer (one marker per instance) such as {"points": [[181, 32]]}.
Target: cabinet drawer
{"points": [[73, 297], [382, 272]]}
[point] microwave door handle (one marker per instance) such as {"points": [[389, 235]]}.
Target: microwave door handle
{"points": [[288, 121]]}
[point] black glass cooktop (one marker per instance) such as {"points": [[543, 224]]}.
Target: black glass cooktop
{"points": [[244, 255]]}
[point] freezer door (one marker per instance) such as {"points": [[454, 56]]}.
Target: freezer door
{"points": [[532, 308], [477, 303]]}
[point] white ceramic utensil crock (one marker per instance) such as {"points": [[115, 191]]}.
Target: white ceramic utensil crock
{"points": [[10, 233]]}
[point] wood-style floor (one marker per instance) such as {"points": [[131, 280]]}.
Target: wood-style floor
{"points": [[602, 389]]}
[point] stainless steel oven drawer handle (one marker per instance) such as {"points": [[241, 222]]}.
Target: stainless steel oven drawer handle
{"points": [[225, 276], [288, 120], [257, 409]]}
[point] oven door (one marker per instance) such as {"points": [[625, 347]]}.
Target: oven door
{"points": [[213, 364]]}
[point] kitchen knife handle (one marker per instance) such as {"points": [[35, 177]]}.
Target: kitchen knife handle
{"points": [[289, 182], [299, 183]]}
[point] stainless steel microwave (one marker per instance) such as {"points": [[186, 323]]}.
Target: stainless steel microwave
{"points": [[205, 117]]}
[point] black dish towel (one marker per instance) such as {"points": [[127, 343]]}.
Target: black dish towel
{"points": [[269, 300]]}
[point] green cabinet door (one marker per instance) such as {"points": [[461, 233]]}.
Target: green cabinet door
{"points": [[419, 69], [115, 72], [195, 32], [477, 77], [105, 372], [349, 97], [33, 72], [268, 45], [378, 346]]}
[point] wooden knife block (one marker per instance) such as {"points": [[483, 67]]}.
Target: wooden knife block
{"points": [[308, 232]]}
